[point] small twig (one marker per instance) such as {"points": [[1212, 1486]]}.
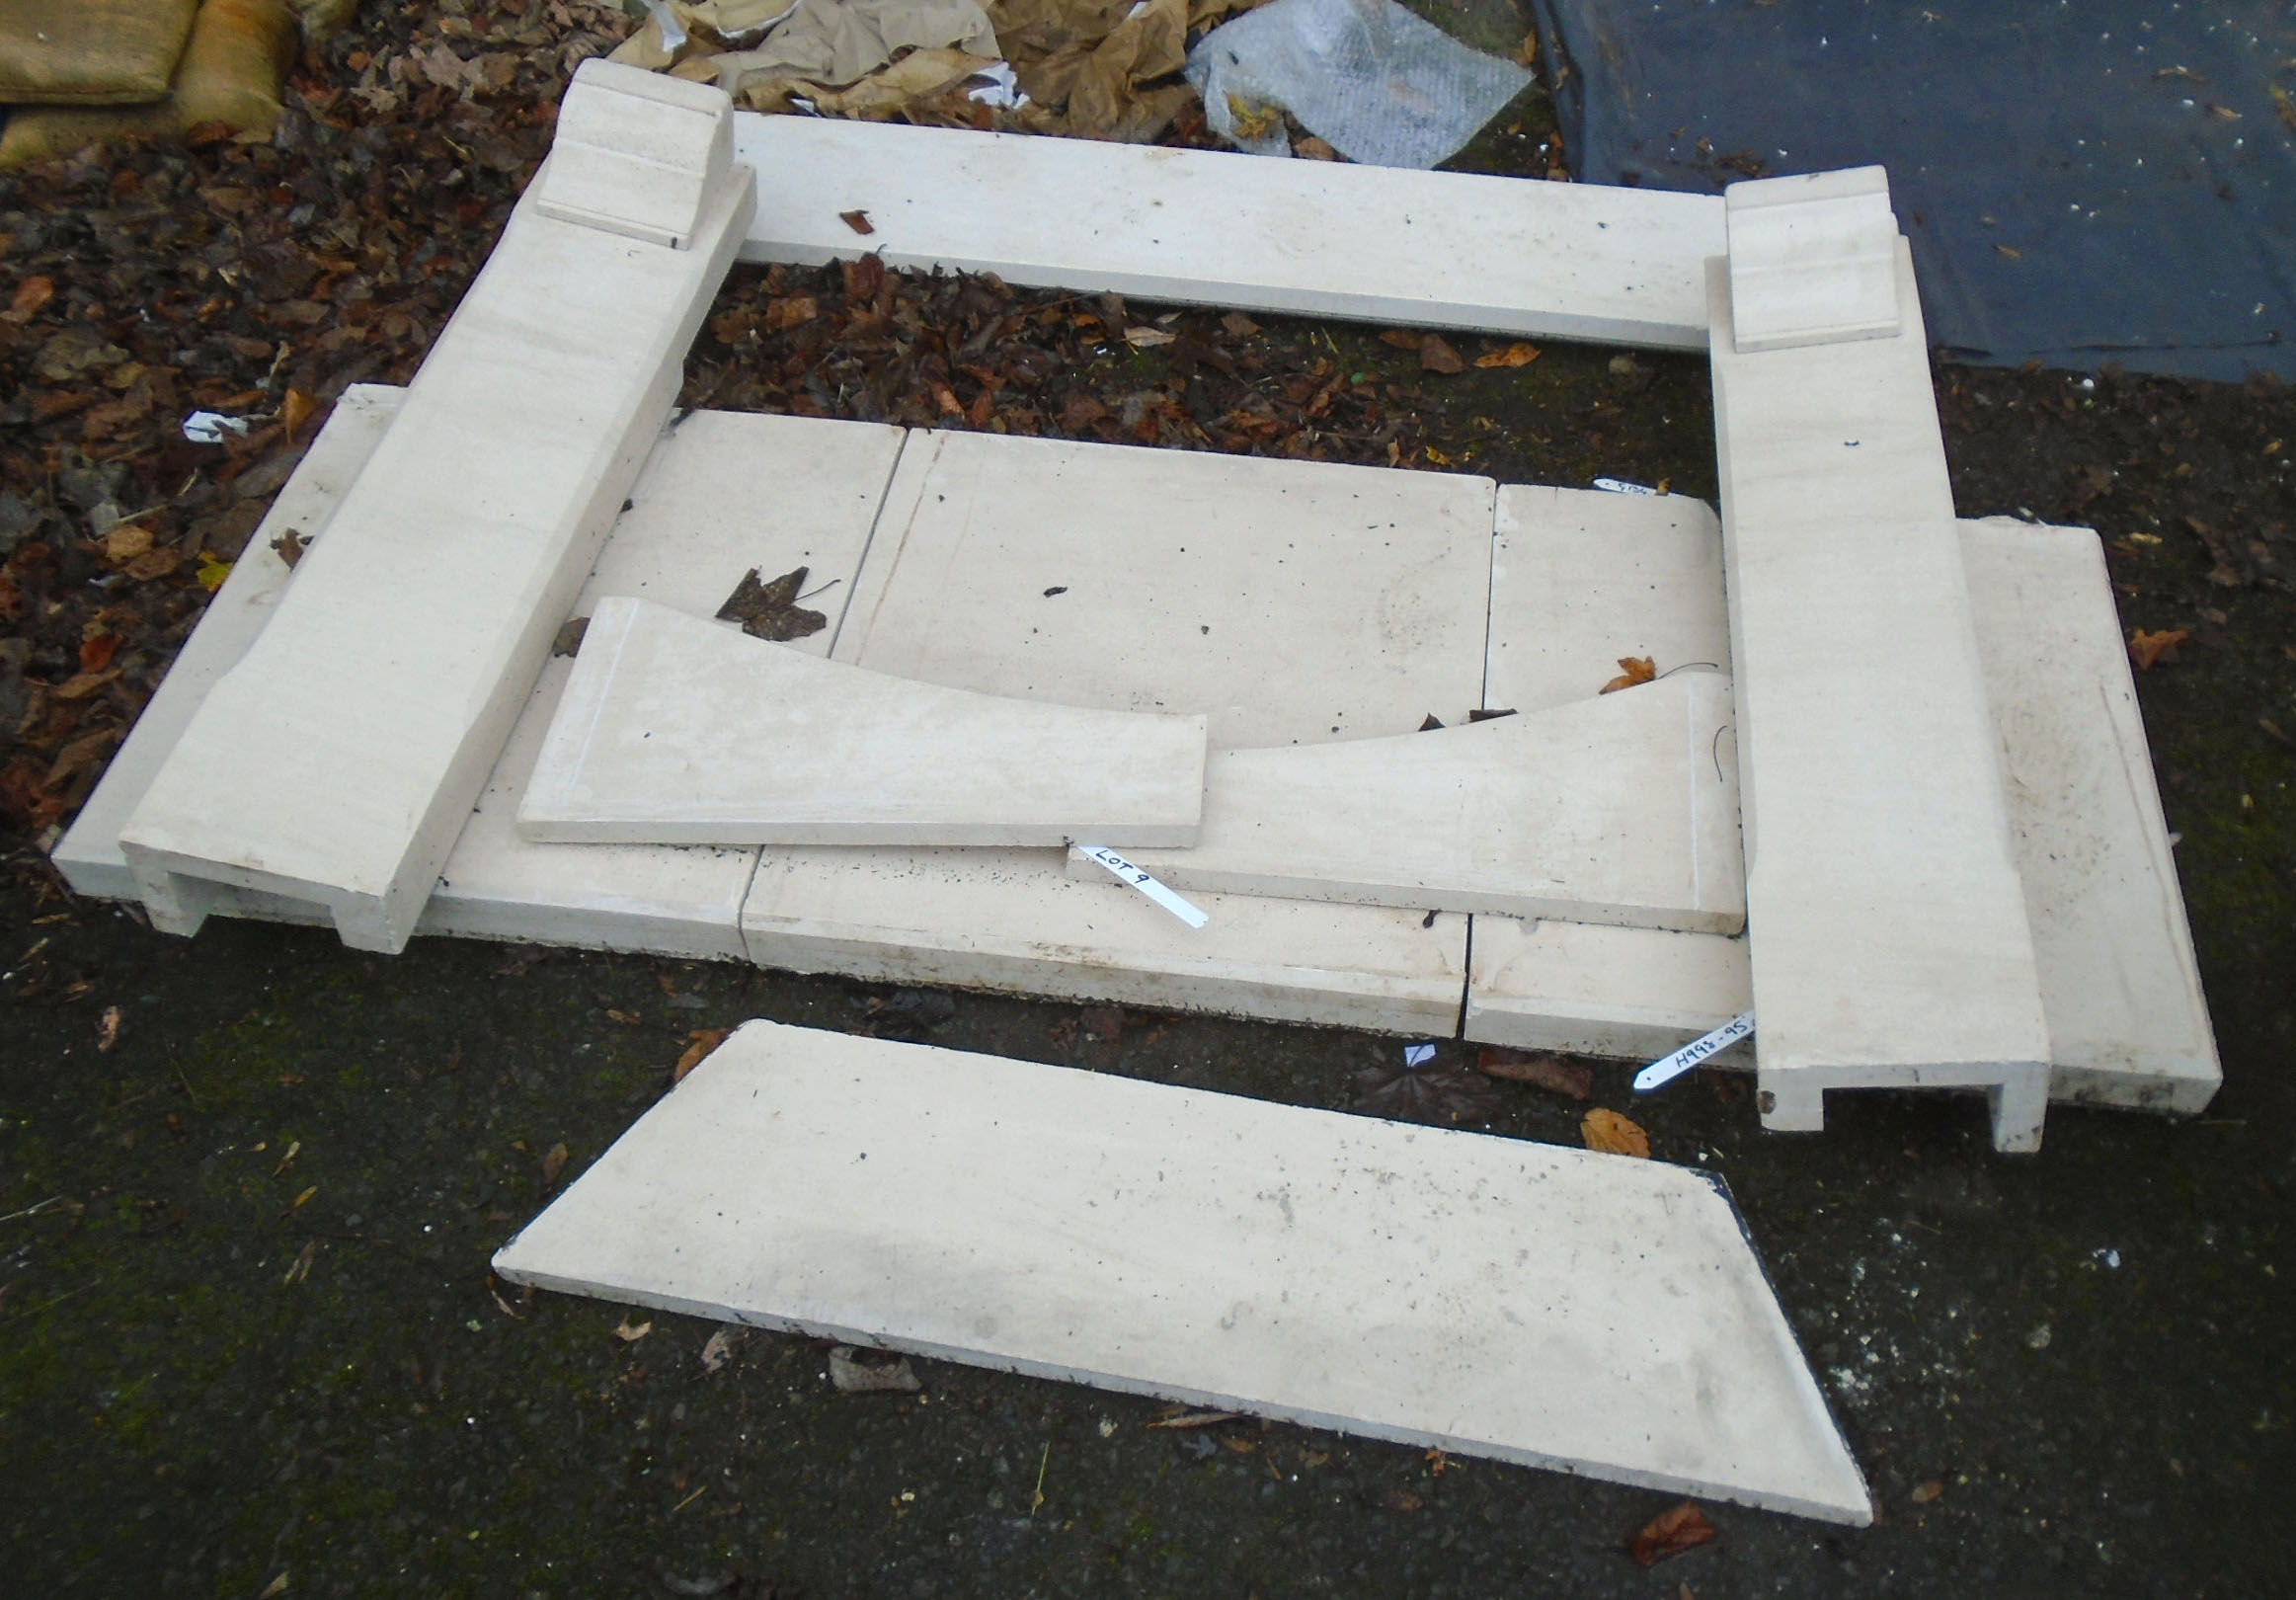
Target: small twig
{"points": [[187, 1090], [689, 1499], [33, 1211], [1037, 1498], [822, 589], [35, 1310]]}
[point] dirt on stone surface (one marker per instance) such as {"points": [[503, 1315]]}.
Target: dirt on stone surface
{"points": [[250, 1183]]}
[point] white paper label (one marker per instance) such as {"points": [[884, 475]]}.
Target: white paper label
{"points": [[1689, 1055], [1146, 884]]}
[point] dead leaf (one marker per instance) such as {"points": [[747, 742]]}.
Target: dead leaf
{"points": [[2013, 255], [630, 1333], [1396, 1500], [125, 542], [1614, 1134], [1671, 1533], [1313, 148], [1239, 325], [2283, 104], [554, 1163], [769, 611], [628, 1019], [701, 1042], [1437, 356], [789, 311], [1526, 53], [31, 295], [107, 1029], [1193, 1419], [2149, 649], [289, 547], [1634, 669], [303, 1199], [717, 1350], [1928, 1492], [297, 409], [858, 221], [1517, 355], [275, 1588], [570, 636], [1401, 338], [1541, 1069], [1148, 337], [854, 1373], [95, 654]]}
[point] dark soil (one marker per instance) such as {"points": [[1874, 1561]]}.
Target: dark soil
{"points": [[248, 1340]]}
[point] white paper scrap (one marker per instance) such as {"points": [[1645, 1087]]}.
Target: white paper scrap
{"points": [[1419, 1055], [209, 427], [1619, 486], [1659, 1072], [1146, 884]]}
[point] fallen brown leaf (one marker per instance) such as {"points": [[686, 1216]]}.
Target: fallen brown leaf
{"points": [[297, 409], [1513, 356], [1314, 149], [769, 611], [717, 1350], [107, 1029], [1671, 1533], [125, 542], [1401, 338], [1192, 1419], [1614, 1134], [31, 295], [554, 1163], [1396, 1500], [1929, 1491], [630, 1333], [858, 221], [701, 1041], [1239, 325], [2149, 649], [1634, 670], [854, 1372], [1540, 1069], [1437, 356]]}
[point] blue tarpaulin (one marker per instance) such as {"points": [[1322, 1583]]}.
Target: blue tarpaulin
{"points": [[2082, 183]]}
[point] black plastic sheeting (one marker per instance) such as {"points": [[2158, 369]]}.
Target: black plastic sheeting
{"points": [[2083, 183]]}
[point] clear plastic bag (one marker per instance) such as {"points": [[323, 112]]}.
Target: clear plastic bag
{"points": [[1366, 76]]}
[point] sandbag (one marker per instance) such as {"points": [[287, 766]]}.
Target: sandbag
{"points": [[230, 73], [91, 52], [322, 17]]}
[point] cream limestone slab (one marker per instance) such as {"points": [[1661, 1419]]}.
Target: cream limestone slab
{"points": [[694, 525], [1616, 809], [1634, 993], [691, 529], [1888, 931], [1291, 602], [1813, 258], [638, 153], [1579, 574], [1581, 578], [338, 761], [1014, 921], [1431, 249], [89, 854], [678, 730], [2128, 1023], [1490, 1297]]}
